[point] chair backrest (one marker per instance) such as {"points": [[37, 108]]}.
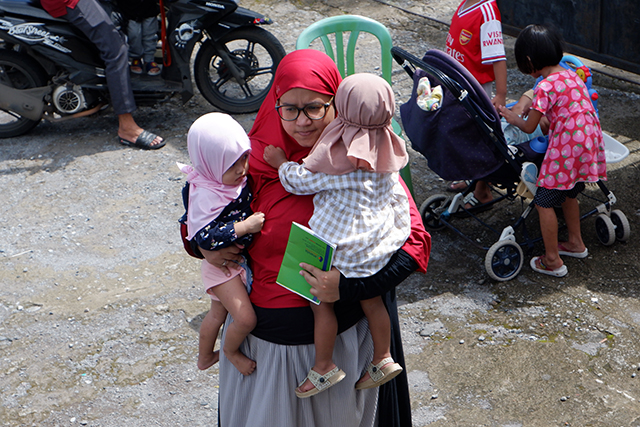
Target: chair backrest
{"points": [[353, 24]]}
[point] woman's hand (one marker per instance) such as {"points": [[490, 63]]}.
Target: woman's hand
{"points": [[224, 258], [324, 284]]}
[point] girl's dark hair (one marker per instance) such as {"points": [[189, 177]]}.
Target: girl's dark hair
{"points": [[537, 47]]}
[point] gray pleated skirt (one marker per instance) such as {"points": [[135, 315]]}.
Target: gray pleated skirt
{"points": [[266, 398]]}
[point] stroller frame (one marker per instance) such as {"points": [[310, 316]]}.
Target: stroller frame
{"points": [[505, 258]]}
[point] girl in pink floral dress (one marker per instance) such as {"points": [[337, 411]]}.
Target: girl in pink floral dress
{"points": [[575, 154]]}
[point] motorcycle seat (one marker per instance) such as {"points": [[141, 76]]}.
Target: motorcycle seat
{"points": [[28, 8]]}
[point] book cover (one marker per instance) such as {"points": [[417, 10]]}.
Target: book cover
{"points": [[303, 246]]}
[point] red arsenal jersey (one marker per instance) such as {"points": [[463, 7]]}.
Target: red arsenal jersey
{"points": [[475, 39]]}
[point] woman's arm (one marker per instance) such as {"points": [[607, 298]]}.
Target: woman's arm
{"points": [[224, 258], [331, 286]]}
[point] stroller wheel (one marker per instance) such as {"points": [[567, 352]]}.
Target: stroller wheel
{"points": [[431, 209], [605, 230], [623, 230], [504, 260]]}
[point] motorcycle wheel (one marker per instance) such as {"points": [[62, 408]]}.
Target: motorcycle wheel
{"points": [[20, 72], [256, 52]]}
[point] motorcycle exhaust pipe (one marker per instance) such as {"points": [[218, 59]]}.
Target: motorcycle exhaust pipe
{"points": [[26, 102]]}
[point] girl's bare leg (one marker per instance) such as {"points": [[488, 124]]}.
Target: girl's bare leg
{"points": [[571, 211], [209, 330], [549, 230], [380, 328], [234, 298], [325, 330]]}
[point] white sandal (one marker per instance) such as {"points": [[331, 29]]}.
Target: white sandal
{"points": [[380, 374], [320, 382]]}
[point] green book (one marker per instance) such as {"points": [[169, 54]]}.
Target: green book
{"points": [[303, 246]]}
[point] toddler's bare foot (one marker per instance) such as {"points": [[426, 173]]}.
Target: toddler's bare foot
{"points": [[242, 363], [205, 361]]}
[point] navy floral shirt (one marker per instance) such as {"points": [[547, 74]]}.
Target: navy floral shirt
{"points": [[220, 232]]}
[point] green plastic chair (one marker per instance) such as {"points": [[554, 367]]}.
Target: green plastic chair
{"points": [[354, 25]]}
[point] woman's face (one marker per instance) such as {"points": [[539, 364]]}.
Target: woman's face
{"points": [[304, 130]]}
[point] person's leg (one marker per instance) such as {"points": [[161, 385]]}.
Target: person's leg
{"points": [[380, 328], [90, 18], [209, 330], [571, 212], [134, 35], [483, 192], [325, 330], [149, 32], [549, 230], [233, 296]]}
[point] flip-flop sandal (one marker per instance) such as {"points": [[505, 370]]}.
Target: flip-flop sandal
{"points": [[380, 374], [153, 69], [566, 252], [538, 266], [458, 186], [144, 141], [136, 66], [476, 207], [320, 382]]}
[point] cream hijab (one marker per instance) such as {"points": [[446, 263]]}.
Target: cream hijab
{"points": [[361, 137]]}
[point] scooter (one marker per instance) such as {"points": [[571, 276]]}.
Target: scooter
{"points": [[50, 70]]}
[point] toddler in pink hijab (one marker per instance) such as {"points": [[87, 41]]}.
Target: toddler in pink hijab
{"points": [[360, 205], [219, 215]]}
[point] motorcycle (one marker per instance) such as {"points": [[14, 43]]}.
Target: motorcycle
{"points": [[50, 70]]}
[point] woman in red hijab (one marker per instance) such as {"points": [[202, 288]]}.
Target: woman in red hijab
{"points": [[282, 342]]}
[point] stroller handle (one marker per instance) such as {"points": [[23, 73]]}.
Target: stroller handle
{"points": [[409, 62]]}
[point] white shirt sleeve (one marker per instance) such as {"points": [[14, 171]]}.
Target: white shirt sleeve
{"points": [[491, 43]]}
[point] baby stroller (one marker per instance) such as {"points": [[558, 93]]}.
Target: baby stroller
{"points": [[463, 140]]}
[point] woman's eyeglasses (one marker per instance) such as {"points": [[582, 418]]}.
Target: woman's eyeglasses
{"points": [[290, 113]]}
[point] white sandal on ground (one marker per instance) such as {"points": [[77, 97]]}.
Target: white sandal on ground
{"points": [[380, 374]]}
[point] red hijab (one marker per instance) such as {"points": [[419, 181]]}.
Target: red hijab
{"points": [[306, 69], [313, 70]]}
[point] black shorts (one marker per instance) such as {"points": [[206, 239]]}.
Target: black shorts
{"points": [[546, 198]]}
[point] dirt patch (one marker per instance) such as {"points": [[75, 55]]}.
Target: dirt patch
{"points": [[100, 306]]}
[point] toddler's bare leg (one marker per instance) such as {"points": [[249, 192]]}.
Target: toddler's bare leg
{"points": [[325, 330], [380, 328], [209, 330], [233, 296]]}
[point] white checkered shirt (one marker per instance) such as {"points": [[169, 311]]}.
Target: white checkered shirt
{"points": [[365, 213]]}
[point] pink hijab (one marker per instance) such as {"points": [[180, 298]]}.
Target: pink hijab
{"points": [[361, 137], [215, 142]]}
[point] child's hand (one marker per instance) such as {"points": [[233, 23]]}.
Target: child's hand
{"points": [[499, 101], [274, 156], [508, 115], [254, 223]]}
